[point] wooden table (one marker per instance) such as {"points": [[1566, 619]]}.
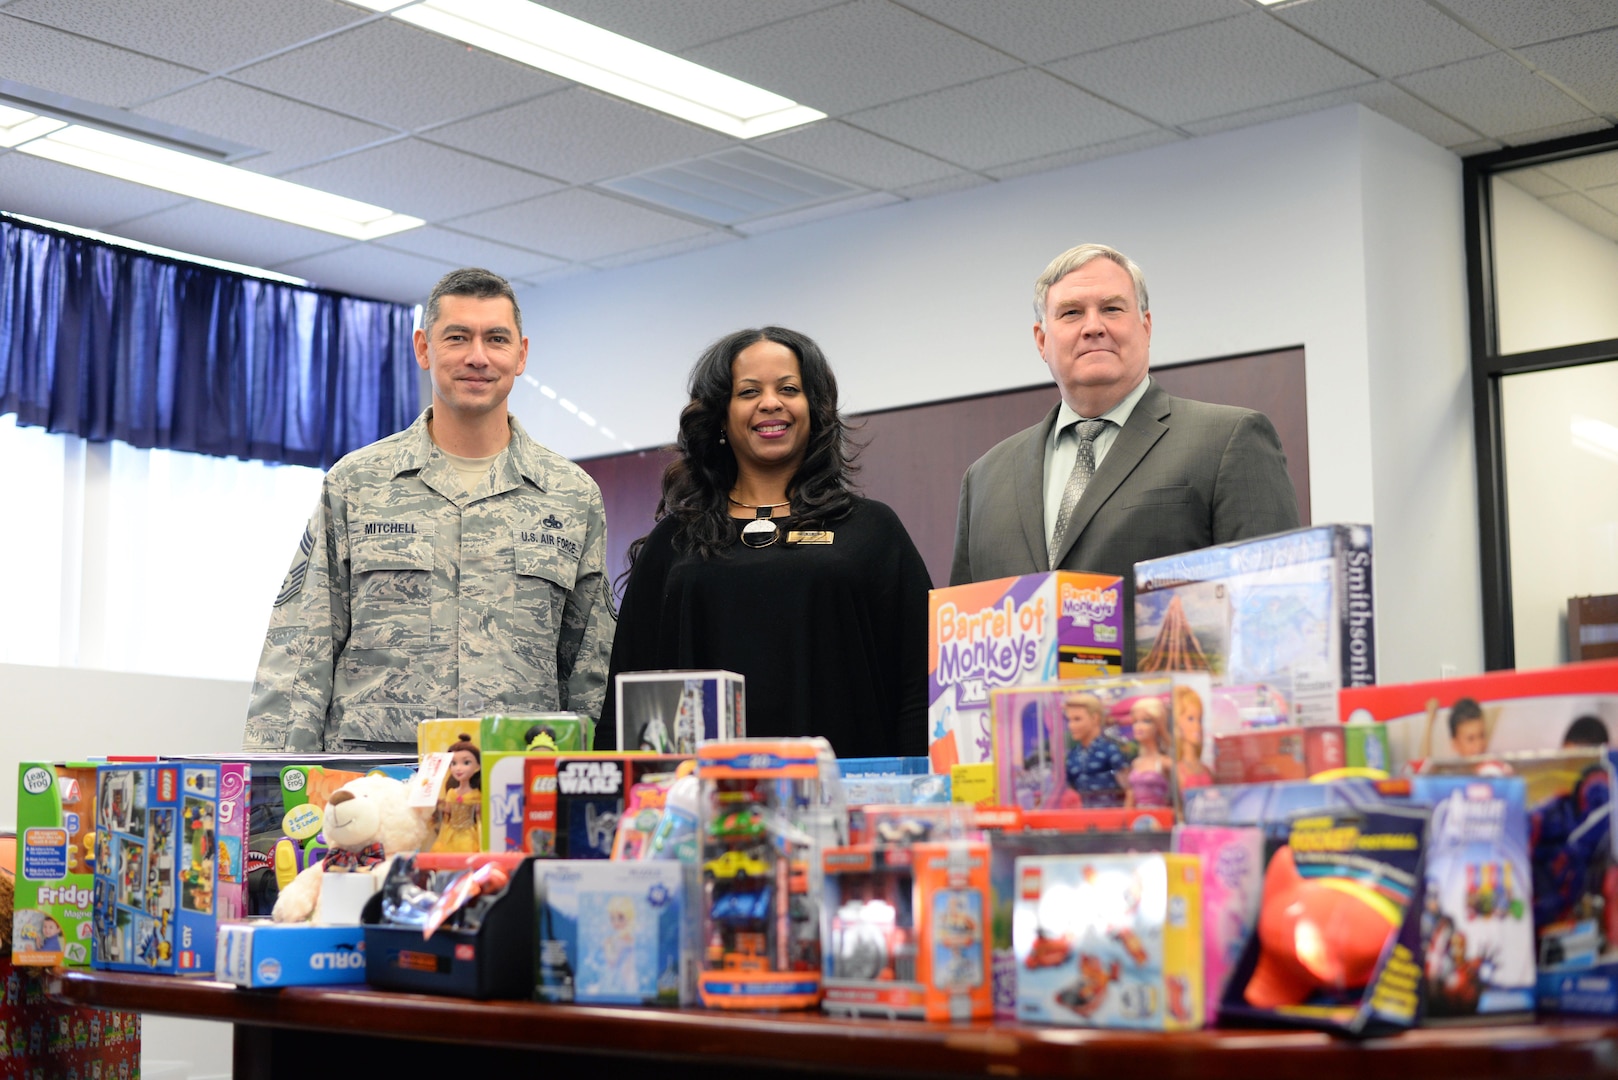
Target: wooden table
{"points": [[282, 1033]]}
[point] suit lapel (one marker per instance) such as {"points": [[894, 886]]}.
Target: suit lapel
{"points": [[1030, 481], [1138, 435]]}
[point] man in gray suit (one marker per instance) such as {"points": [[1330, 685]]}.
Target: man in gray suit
{"points": [[1119, 471]]}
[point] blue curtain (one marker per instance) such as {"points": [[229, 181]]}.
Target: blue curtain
{"points": [[108, 343]]}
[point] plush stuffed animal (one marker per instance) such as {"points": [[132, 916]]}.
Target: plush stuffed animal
{"points": [[367, 822]]}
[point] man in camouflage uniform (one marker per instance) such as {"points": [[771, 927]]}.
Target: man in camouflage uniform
{"points": [[456, 568]]}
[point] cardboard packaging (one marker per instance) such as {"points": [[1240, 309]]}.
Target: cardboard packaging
{"points": [[617, 933], [670, 712], [1015, 631], [55, 859], [266, 954]]}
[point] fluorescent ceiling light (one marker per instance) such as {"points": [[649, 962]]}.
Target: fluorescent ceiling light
{"points": [[169, 170], [573, 49]]}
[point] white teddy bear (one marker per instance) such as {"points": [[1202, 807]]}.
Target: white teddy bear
{"points": [[367, 822]]}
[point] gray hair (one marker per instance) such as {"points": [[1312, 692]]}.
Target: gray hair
{"points": [[1073, 258], [470, 281]]}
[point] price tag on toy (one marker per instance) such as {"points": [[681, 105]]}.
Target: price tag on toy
{"points": [[428, 782]]}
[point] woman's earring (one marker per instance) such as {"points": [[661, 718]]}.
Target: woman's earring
{"points": [[721, 438]]}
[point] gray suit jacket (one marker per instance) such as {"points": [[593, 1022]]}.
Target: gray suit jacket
{"points": [[1180, 475]]}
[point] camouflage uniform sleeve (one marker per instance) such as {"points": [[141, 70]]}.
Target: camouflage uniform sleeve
{"points": [[308, 627], [584, 646]]}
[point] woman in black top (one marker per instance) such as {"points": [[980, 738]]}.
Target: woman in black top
{"points": [[765, 562]]}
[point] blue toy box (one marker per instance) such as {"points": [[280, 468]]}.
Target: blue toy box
{"points": [[617, 933], [264, 954]]}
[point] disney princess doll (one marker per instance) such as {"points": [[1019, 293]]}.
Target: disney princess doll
{"points": [[456, 820]]}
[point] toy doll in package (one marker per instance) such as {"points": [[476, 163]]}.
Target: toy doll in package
{"points": [[616, 933]]}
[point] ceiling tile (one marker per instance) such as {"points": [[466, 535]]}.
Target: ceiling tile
{"points": [[64, 63], [794, 218], [1146, 140], [290, 132], [1519, 22], [396, 74], [1039, 31], [1480, 146], [1495, 95], [578, 224], [858, 156], [1536, 181], [44, 189], [1582, 209], [423, 179], [218, 232], [1002, 119], [372, 272], [958, 182], [1384, 98], [579, 135], [460, 249], [1554, 131], [860, 54], [1212, 70], [1584, 173], [1587, 65], [1606, 197], [206, 34], [676, 26], [663, 251], [1389, 37], [562, 272]]}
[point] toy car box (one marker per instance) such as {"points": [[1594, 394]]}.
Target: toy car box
{"points": [[1293, 610], [617, 933], [1110, 941], [265, 954], [1015, 631], [670, 712], [157, 859], [55, 857]]}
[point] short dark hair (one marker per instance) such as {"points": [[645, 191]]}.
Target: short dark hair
{"points": [[1463, 710], [1586, 731], [697, 484], [470, 281]]}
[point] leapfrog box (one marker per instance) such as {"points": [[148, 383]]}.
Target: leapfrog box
{"points": [[1011, 632], [55, 849], [1110, 941]]}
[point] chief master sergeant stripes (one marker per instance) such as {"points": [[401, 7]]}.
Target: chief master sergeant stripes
{"points": [[456, 568]]}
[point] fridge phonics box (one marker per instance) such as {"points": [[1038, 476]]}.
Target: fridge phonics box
{"points": [[259, 954], [1292, 610], [669, 712], [1013, 631], [55, 837]]}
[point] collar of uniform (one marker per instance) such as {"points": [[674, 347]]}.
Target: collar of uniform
{"points": [[523, 460]]}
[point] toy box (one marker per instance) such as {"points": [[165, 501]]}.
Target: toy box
{"points": [[1232, 885], [1282, 753], [765, 810], [1036, 628], [1477, 930], [572, 802], [670, 712], [55, 859], [156, 867], [261, 954], [1109, 941], [617, 933], [558, 731], [914, 789], [1293, 610]]}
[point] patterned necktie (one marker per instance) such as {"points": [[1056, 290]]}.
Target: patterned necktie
{"points": [[1084, 466]]}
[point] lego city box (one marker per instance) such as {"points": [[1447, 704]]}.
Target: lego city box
{"points": [[55, 859], [256, 954], [1109, 941], [1293, 610], [155, 900], [670, 712], [1015, 631]]}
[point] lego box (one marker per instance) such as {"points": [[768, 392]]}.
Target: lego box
{"points": [[1036, 628], [1293, 610], [669, 712], [55, 853], [260, 954]]}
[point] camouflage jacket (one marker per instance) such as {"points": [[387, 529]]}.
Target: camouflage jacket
{"points": [[410, 599]]}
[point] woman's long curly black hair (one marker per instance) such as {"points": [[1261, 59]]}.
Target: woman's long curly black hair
{"points": [[697, 484]]}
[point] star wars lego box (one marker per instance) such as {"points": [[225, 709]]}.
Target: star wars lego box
{"points": [[669, 712], [572, 802], [55, 857], [156, 887], [1293, 610], [1015, 631]]}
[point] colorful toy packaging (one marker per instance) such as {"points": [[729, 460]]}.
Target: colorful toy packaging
{"points": [[55, 859], [1232, 886], [669, 712], [260, 954], [156, 869], [1477, 929], [617, 933], [1293, 610], [572, 803], [1036, 628], [1109, 941]]}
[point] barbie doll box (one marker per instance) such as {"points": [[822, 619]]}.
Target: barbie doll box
{"points": [[1293, 610], [55, 853], [1014, 631], [617, 933], [669, 712]]}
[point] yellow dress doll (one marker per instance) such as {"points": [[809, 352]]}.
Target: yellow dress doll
{"points": [[456, 821]]}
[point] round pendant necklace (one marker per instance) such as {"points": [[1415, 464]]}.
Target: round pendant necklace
{"points": [[761, 532]]}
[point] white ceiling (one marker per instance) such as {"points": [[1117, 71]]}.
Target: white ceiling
{"points": [[523, 172]]}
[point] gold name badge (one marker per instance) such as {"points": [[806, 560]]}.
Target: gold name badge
{"points": [[812, 536]]}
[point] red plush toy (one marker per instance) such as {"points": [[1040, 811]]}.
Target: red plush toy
{"points": [[1323, 933]]}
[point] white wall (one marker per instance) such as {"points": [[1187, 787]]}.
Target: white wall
{"points": [[1286, 234], [1556, 282]]}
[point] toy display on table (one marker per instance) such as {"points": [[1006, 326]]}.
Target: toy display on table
{"points": [[457, 814], [56, 846], [1297, 753], [1232, 889], [1015, 631], [890, 781], [367, 822], [676, 835], [572, 803], [1109, 940], [767, 807], [256, 954], [669, 712], [1293, 609]]}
